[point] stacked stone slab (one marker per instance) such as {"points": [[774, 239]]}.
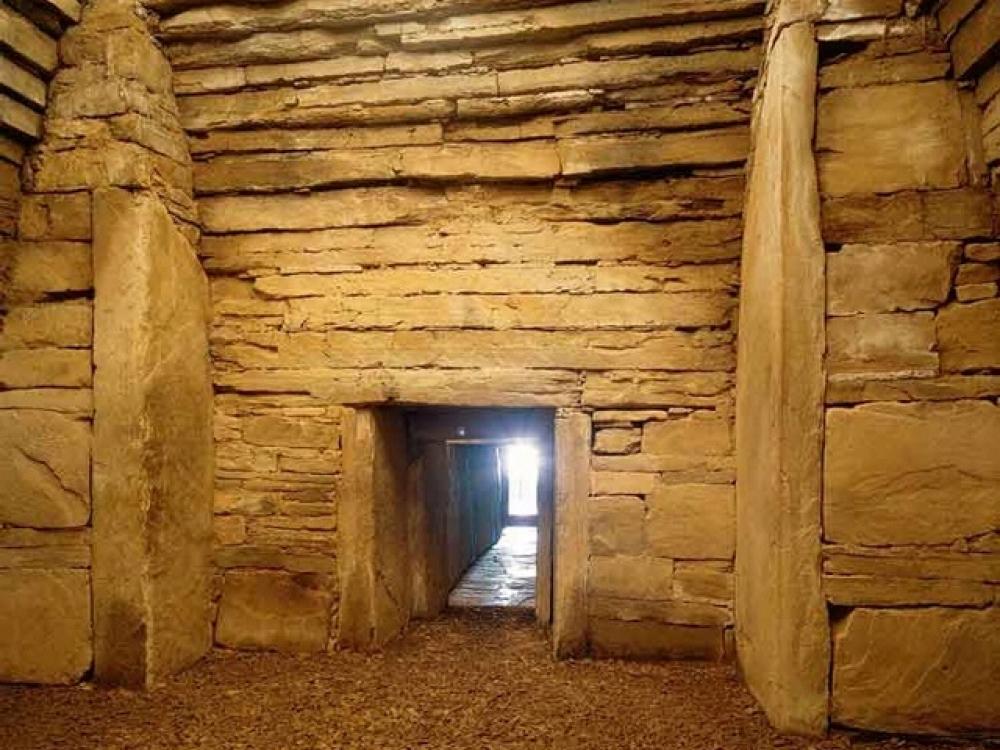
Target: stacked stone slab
{"points": [[497, 204], [29, 34], [912, 477], [88, 459]]}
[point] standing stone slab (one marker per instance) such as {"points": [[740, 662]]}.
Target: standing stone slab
{"points": [[44, 626], [374, 555], [782, 629], [153, 461], [933, 670], [912, 473], [570, 556]]}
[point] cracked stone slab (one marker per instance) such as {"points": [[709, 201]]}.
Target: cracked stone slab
{"points": [[45, 462]]}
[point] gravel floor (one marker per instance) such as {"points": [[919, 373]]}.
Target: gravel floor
{"points": [[470, 680]]}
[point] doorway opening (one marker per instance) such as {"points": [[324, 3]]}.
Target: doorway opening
{"points": [[444, 507], [505, 574]]}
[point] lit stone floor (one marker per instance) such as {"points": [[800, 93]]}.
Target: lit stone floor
{"points": [[504, 576]]}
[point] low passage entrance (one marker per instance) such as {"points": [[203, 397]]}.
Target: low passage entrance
{"points": [[444, 507]]}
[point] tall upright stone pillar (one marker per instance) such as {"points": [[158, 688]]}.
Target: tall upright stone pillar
{"points": [[570, 559], [153, 465], [782, 631]]}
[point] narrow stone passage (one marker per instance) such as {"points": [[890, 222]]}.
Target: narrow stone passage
{"points": [[504, 576]]}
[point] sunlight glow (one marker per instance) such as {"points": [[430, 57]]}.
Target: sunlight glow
{"points": [[521, 463]]}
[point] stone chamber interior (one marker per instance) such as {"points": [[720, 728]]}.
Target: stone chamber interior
{"points": [[281, 283]]}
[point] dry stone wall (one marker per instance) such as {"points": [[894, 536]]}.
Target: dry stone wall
{"points": [[531, 204], [109, 121], [911, 507]]}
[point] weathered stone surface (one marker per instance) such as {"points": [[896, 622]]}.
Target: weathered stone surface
{"points": [[617, 440], [908, 215], [603, 154], [617, 525], [701, 581], [917, 670], [64, 324], [153, 462], [702, 433], [25, 39], [882, 346], [644, 639], [45, 462], [35, 368], [373, 561], [967, 336], [45, 619], [274, 610], [570, 574], [917, 473], [294, 433], [887, 278], [631, 577], [55, 217], [976, 39], [859, 131], [692, 521], [942, 388], [781, 619], [41, 268], [876, 591]]}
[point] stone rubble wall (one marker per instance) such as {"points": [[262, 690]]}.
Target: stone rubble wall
{"points": [[110, 121], [476, 203], [911, 510]]}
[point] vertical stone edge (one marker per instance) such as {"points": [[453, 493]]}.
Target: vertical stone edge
{"points": [[356, 532], [120, 489], [152, 468], [783, 638], [570, 555]]}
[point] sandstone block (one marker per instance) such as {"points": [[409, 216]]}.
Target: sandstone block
{"points": [[45, 462], [859, 132], [692, 521], [701, 581], [884, 591], [883, 346], [967, 336], [909, 215], [887, 278], [281, 431], [622, 483], [917, 670], [975, 292], [272, 610], [702, 433], [34, 368], [65, 324], [40, 268], [631, 577], [603, 154], [45, 621], [617, 440], [55, 217], [645, 640], [28, 41], [911, 473], [617, 525]]}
